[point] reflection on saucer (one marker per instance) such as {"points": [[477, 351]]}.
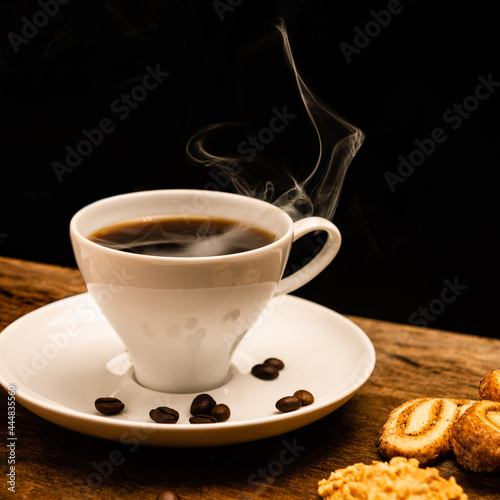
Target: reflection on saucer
{"points": [[120, 364], [323, 352]]}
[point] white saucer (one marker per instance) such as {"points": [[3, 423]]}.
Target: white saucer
{"points": [[64, 355]]}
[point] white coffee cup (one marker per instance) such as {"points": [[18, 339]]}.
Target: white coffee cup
{"points": [[181, 318]]}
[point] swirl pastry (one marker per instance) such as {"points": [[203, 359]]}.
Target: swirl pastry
{"points": [[421, 429], [463, 404], [476, 437], [489, 387]]}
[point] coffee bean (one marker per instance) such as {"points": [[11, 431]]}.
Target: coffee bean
{"points": [[305, 396], [277, 363], [288, 403], [202, 404], [221, 412], [202, 419], [109, 406], [168, 495], [265, 372], [164, 415]]}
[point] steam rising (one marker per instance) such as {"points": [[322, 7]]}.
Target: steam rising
{"points": [[318, 194]]}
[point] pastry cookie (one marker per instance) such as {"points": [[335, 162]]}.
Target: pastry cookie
{"points": [[400, 478], [421, 429], [489, 387], [428, 428], [476, 437]]}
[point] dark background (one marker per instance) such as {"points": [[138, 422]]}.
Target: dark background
{"points": [[400, 245]]}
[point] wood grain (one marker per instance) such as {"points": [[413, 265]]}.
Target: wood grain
{"points": [[411, 362]]}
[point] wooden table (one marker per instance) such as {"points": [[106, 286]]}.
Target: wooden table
{"points": [[411, 362]]}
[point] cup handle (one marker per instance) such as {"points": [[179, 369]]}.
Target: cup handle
{"points": [[320, 261]]}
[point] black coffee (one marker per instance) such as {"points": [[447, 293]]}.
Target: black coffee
{"points": [[183, 236]]}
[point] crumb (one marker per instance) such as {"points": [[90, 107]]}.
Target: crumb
{"points": [[401, 479]]}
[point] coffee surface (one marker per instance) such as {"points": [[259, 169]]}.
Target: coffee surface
{"points": [[189, 236]]}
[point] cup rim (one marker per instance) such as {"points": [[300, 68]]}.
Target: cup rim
{"points": [[76, 233]]}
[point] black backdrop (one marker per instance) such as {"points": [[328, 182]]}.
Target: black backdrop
{"points": [[417, 209]]}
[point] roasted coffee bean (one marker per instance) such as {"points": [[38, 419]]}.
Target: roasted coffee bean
{"points": [[164, 415], [109, 406], [221, 412], [202, 419], [265, 372], [305, 397], [202, 404], [168, 495], [288, 403], [277, 363]]}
